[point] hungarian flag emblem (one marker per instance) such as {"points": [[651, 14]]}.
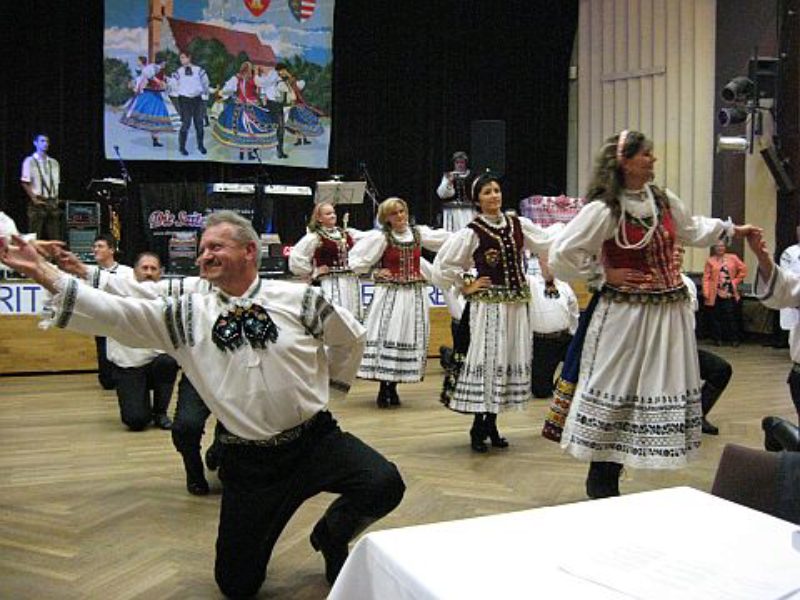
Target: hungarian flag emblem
{"points": [[302, 9], [257, 7]]}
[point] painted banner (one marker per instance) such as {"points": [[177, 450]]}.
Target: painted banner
{"points": [[242, 81]]}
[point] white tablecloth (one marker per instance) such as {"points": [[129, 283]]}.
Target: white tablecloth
{"points": [[672, 544]]}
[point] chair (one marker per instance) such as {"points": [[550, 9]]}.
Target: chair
{"points": [[765, 481]]}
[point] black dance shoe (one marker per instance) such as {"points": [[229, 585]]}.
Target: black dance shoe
{"points": [[334, 554]]}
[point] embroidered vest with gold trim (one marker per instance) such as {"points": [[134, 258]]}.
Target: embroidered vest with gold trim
{"points": [[499, 257], [402, 258]]}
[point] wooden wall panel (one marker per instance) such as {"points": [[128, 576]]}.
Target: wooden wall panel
{"points": [[649, 65]]}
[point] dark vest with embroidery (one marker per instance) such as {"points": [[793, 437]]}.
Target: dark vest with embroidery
{"points": [[656, 260], [331, 252], [499, 257], [402, 259]]}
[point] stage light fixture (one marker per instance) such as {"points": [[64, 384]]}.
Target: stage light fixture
{"points": [[731, 116], [732, 143], [738, 89]]}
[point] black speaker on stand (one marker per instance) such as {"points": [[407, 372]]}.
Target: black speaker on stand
{"points": [[488, 147]]}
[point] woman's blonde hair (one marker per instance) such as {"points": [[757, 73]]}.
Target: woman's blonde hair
{"points": [[386, 207]]}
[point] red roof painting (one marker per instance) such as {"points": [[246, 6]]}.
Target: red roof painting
{"points": [[234, 41]]}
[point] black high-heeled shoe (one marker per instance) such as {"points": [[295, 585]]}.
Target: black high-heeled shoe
{"points": [[477, 435], [383, 397], [491, 430], [391, 392]]}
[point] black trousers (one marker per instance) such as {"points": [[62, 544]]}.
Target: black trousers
{"points": [[724, 320], [794, 388], [191, 414], [105, 368], [548, 353], [276, 109], [262, 487], [133, 390], [192, 110], [715, 372]]}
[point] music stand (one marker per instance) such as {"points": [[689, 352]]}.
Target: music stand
{"points": [[340, 192]]}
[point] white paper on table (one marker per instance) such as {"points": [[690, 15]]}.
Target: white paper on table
{"points": [[652, 573]]}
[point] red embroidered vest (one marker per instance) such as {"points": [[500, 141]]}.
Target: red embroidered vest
{"points": [[402, 258], [656, 260], [331, 252]]}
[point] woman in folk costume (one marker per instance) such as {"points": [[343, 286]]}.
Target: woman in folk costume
{"points": [[322, 255], [637, 398], [148, 109], [303, 119], [496, 370], [397, 319], [243, 123]]}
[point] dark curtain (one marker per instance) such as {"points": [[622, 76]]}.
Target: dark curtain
{"points": [[408, 80]]}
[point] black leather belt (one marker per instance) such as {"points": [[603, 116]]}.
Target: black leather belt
{"points": [[284, 437]]}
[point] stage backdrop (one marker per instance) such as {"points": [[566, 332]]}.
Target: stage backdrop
{"points": [[143, 41]]}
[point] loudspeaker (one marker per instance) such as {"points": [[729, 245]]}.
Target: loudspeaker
{"points": [[778, 170], [488, 147], [274, 264]]}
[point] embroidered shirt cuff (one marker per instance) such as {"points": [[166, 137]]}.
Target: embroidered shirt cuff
{"points": [[59, 308]]}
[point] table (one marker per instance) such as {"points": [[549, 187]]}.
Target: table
{"points": [[667, 544]]}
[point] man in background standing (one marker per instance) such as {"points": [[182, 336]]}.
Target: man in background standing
{"points": [[40, 179]]}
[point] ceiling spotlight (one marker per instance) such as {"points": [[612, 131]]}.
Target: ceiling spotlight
{"points": [[738, 89], [731, 116], [735, 143]]}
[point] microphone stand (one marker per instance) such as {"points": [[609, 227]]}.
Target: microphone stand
{"points": [[115, 216], [259, 215], [371, 190]]}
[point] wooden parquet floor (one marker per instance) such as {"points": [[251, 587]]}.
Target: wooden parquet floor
{"points": [[89, 510]]}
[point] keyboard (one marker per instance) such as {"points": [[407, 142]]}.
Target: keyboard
{"points": [[250, 188]]}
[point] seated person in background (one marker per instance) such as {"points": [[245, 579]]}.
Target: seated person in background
{"points": [[554, 313], [139, 370]]}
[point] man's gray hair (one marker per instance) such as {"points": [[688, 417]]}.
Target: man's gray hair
{"points": [[245, 233]]}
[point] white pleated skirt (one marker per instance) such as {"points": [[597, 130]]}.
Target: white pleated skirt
{"points": [[398, 329], [496, 375], [342, 289], [637, 401]]}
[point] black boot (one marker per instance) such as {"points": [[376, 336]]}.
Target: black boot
{"points": [[182, 144], [157, 144], [383, 396], [603, 479], [491, 430], [196, 483], [333, 532], [477, 434], [709, 394], [780, 434], [391, 391]]}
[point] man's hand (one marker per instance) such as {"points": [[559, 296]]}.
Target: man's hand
{"points": [[49, 248], [757, 244], [70, 263], [22, 257]]}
